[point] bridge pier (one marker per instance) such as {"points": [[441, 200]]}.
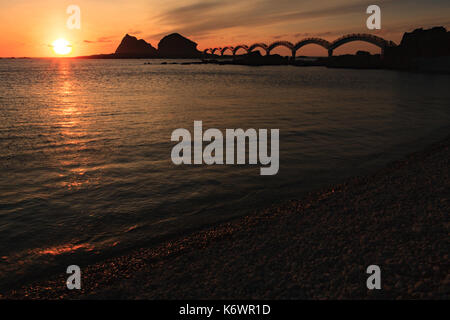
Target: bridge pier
{"points": [[294, 53], [330, 52]]}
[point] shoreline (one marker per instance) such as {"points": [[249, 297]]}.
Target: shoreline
{"points": [[435, 66], [317, 247]]}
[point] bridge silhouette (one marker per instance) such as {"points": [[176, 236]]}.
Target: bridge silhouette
{"points": [[330, 46]]}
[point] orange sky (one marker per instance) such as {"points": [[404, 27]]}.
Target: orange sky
{"points": [[30, 26]]}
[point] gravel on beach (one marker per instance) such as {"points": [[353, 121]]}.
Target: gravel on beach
{"points": [[318, 247]]}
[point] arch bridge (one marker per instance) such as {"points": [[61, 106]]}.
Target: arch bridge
{"points": [[330, 46]]}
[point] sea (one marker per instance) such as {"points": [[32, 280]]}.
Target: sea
{"points": [[85, 147]]}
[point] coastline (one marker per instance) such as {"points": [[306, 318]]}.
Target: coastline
{"points": [[317, 247], [436, 65]]}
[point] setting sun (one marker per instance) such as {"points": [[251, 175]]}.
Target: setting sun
{"points": [[62, 46]]}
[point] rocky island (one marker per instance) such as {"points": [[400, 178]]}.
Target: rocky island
{"points": [[177, 46], [173, 46], [421, 50], [133, 48]]}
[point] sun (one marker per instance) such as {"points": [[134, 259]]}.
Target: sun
{"points": [[62, 46]]}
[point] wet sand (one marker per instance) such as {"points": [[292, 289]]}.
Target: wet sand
{"points": [[315, 248]]}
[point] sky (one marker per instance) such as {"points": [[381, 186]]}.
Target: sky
{"points": [[29, 27]]}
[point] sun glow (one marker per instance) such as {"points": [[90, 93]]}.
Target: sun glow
{"points": [[62, 47]]}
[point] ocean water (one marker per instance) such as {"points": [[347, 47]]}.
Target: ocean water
{"points": [[85, 166]]}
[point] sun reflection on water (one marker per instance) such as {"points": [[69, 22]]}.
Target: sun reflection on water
{"points": [[67, 248], [69, 113]]}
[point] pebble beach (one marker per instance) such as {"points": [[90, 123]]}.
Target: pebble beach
{"points": [[317, 247]]}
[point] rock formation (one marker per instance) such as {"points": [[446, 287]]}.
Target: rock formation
{"points": [[433, 42], [177, 46], [417, 48], [134, 48]]}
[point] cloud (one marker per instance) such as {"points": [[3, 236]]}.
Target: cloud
{"points": [[189, 12], [134, 32], [100, 40], [207, 17]]}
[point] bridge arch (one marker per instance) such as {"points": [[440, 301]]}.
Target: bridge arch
{"points": [[378, 41], [224, 49], [238, 47], [258, 45], [213, 50], [321, 42], [276, 44]]}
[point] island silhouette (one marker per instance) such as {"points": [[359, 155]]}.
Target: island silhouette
{"points": [[171, 46]]}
